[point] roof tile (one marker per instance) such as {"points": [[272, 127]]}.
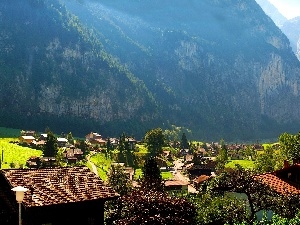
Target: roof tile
{"points": [[279, 185], [58, 185]]}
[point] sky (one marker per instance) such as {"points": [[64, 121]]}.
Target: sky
{"points": [[288, 8]]}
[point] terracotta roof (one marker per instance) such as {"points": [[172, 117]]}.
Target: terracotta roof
{"points": [[201, 178], [175, 183], [277, 184], [201, 166], [51, 186]]}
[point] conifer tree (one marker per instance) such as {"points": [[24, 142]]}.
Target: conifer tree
{"points": [[152, 179], [50, 148], [119, 180]]}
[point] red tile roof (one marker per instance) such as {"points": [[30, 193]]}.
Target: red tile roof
{"points": [[277, 184], [175, 183], [51, 186], [201, 178]]}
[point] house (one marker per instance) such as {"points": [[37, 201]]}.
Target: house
{"points": [[130, 172], [61, 142], [57, 196], [201, 169], [95, 139], [43, 137], [72, 155], [100, 142], [161, 162], [131, 142], [200, 180], [33, 162], [285, 180], [48, 161], [114, 142], [183, 152], [176, 185], [27, 139], [28, 133], [92, 136], [39, 143], [188, 157]]}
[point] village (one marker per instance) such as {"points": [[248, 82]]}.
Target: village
{"points": [[188, 168], [53, 182]]}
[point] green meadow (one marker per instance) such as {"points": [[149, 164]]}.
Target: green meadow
{"points": [[247, 164], [13, 155]]}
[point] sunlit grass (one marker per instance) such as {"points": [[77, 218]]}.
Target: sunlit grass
{"points": [[13, 153], [102, 163], [247, 164]]}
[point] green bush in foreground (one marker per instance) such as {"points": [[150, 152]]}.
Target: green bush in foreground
{"points": [[275, 220]]}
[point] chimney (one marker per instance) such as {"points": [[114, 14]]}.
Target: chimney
{"points": [[286, 164], [295, 161]]}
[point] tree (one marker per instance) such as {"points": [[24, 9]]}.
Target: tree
{"points": [[121, 148], [290, 145], [70, 138], [184, 144], [50, 148], [249, 152], [152, 179], [121, 145], [222, 157], [149, 207], [109, 146], [172, 134], [119, 180], [218, 209], [155, 140], [259, 195], [266, 161], [84, 147]]}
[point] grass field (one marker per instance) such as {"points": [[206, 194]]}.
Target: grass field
{"points": [[13, 153], [247, 164], [102, 164]]}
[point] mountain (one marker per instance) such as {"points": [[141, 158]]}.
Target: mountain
{"points": [[272, 12], [291, 29], [222, 70]]}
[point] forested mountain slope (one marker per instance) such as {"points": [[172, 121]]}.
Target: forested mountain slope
{"points": [[221, 69]]}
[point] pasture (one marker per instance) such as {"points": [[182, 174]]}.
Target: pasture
{"points": [[13, 155], [247, 164]]}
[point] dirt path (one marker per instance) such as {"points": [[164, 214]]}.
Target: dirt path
{"points": [[178, 176], [93, 165]]}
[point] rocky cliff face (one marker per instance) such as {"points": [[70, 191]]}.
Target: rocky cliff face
{"points": [[223, 70]]}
